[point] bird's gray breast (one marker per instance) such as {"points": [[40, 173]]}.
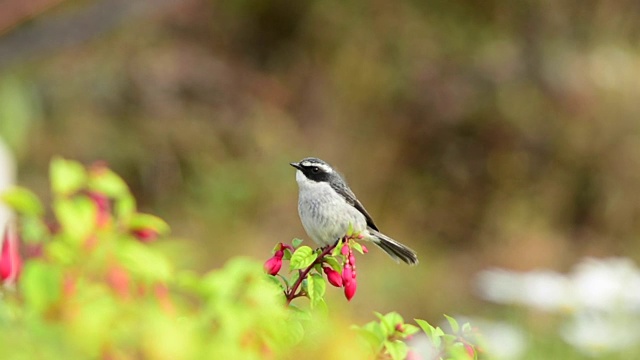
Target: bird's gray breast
{"points": [[325, 215]]}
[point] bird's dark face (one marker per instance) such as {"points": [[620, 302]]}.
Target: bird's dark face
{"points": [[315, 169]]}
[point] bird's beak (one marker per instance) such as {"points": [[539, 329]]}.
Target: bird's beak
{"points": [[295, 165]]}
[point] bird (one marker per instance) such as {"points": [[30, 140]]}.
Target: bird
{"points": [[328, 209]]}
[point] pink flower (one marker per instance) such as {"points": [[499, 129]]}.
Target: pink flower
{"points": [[103, 207], [10, 260], [364, 249], [145, 235], [286, 246], [350, 289], [119, 280], [347, 275], [273, 265], [470, 351], [333, 276]]}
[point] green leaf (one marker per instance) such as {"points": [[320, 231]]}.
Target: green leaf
{"points": [[124, 208], [393, 319], [410, 329], [188, 280], [77, 216], [455, 328], [466, 327], [67, 176], [287, 254], [350, 231], [300, 314], [34, 229], [373, 333], [426, 327], [316, 287], [108, 182], [336, 250], [370, 337], [397, 349], [60, 252], [358, 247], [294, 277], [275, 281], [23, 201], [457, 351], [143, 262], [433, 333], [296, 242], [390, 321], [388, 331], [333, 262], [41, 285], [286, 282], [151, 222], [302, 258]]}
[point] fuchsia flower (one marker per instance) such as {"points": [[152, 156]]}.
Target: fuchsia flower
{"points": [[145, 235], [103, 207], [273, 265], [350, 289], [10, 260], [333, 276], [119, 280], [345, 250], [470, 351], [349, 272]]}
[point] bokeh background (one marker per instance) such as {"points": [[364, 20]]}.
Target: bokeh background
{"points": [[481, 134]]}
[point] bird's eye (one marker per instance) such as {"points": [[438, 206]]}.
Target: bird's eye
{"points": [[315, 170]]}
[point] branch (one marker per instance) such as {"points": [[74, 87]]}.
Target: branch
{"points": [[291, 294]]}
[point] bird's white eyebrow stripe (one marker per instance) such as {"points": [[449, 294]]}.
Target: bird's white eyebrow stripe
{"points": [[324, 167]]}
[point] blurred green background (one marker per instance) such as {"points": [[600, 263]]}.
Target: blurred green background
{"points": [[480, 134]]}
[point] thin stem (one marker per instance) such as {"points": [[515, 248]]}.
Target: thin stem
{"points": [[291, 294]]}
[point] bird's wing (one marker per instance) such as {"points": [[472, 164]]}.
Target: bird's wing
{"points": [[350, 197]]}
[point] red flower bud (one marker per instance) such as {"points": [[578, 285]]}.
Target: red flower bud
{"points": [[286, 246], [350, 289], [145, 235], [119, 280], [10, 260], [345, 250], [333, 276], [69, 285], [470, 351], [352, 259], [273, 265], [347, 275], [164, 298], [102, 204], [364, 249]]}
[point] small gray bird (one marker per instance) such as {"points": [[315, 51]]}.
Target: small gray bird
{"points": [[327, 208]]}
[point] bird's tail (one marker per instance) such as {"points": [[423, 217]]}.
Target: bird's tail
{"points": [[395, 249]]}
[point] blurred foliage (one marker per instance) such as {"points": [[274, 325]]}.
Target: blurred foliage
{"points": [[92, 288], [478, 133]]}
